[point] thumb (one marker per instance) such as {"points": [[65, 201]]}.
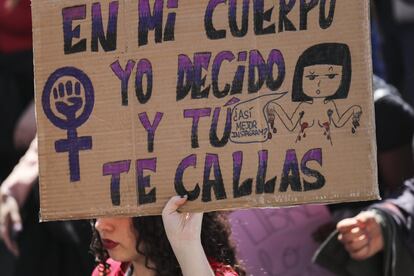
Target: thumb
{"points": [[11, 227], [366, 218]]}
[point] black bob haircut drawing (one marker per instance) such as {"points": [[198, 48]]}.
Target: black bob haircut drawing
{"points": [[320, 54]]}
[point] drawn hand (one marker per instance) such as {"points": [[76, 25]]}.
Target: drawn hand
{"points": [[272, 128], [356, 116], [271, 116], [361, 235], [330, 113], [357, 109], [68, 99]]}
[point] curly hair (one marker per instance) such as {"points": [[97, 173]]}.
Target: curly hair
{"points": [[154, 245]]}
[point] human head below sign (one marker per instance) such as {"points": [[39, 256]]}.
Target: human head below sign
{"points": [[322, 76], [176, 243]]}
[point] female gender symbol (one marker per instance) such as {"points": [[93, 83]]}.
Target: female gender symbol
{"points": [[68, 100]]}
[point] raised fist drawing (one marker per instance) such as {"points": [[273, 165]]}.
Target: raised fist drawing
{"points": [[68, 99]]}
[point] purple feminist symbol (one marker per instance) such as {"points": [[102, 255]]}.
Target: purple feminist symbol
{"points": [[68, 100]]}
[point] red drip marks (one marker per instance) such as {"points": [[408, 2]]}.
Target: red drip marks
{"points": [[273, 128], [302, 133], [327, 131]]}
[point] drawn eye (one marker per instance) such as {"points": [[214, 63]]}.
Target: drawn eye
{"points": [[331, 76], [311, 77]]}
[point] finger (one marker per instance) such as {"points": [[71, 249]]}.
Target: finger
{"points": [[354, 234], [173, 204], [357, 245], [16, 220], [6, 235], [371, 225], [3, 209], [366, 217], [194, 217], [12, 247], [4, 221], [346, 225], [4, 228]]}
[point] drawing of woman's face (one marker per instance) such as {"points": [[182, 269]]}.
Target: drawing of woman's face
{"points": [[321, 81]]}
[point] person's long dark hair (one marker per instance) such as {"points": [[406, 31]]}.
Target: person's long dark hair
{"points": [[159, 256]]}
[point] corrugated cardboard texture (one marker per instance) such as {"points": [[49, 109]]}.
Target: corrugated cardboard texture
{"points": [[272, 110]]}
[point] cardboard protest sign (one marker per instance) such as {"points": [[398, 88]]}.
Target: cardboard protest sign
{"points": [[233, 103]]}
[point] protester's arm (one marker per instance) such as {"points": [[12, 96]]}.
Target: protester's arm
{"points": [[184, 233], [20, 181], [14, 192], [25, 129]]}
